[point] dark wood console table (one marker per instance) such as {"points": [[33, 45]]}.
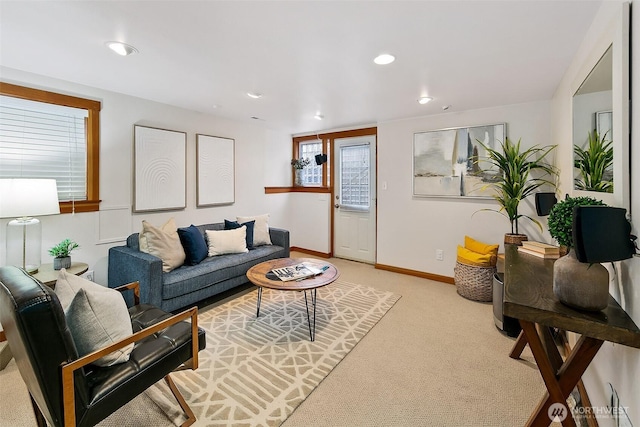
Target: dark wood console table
{"points": [[529, 297]]}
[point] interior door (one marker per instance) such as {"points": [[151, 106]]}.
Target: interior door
{"points": [[354, 226]]}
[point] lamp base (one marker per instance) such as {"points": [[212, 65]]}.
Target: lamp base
{"points": [[24, 243]]}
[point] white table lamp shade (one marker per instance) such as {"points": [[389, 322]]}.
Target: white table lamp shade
{"points": [[28, 197], [23, 199]]}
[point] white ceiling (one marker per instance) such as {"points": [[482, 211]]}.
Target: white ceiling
{"points": [[305, 57]]}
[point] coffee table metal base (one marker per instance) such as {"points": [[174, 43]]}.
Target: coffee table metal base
{"points": [[314, 298]]}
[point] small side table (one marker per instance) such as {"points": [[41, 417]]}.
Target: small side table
{"points": [[47, 275]]}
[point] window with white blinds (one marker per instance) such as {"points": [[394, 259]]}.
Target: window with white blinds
{"points": [[41, 140]]}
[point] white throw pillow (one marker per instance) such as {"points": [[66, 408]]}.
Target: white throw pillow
{"points": [[227, 241], [97, 316], [260, 230], [163, 242]]}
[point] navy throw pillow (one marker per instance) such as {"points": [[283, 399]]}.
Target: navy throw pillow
{"points": [[232, 225], [195, 248]]}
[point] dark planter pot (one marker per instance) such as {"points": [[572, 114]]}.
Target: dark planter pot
{"points": [[515, 239], [61, 262]]}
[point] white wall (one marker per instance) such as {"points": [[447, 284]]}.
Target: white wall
{"points": [[260, 154], [614, 364], [411, 229], [310, 222]]}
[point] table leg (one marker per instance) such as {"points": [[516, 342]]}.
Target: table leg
{"points": [[559, 383], [550, 346], [572, 370], [544, 366], [312, 332], [314, 298], [519, 346], [259, 300]]}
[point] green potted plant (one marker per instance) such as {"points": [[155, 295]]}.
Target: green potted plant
{"points": [[561, 218], [62, 253], [516, 182], [298, 165], [576, 284], [595, 164]]}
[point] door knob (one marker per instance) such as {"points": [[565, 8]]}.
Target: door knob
{"points": [[337, 206]]}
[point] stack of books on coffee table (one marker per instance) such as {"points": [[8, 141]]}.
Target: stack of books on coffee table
{"points": [[539, 249]]}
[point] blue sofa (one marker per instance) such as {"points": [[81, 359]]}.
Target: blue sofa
{"points": [[188, 284]]}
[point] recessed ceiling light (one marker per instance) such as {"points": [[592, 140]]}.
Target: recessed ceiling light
{"points": [[424, 99], [254, 95], [384, 59], [318, 116], [121, 48]]}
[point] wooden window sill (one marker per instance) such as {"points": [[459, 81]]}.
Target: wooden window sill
{"points": [[275, 190]]}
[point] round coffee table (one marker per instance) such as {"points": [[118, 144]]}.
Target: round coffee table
{"points": [[258, 276]]}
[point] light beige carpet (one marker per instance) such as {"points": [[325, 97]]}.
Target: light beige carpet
{"points": [[435, 359], [256, 371]]}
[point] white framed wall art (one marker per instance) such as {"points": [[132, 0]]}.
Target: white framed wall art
{"points": [[215, 170], [160, 169]]}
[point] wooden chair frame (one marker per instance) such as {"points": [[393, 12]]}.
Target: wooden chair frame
{"points": [[68, 369]]}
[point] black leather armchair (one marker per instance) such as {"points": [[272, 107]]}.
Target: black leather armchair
{"points": [[67, 390]]}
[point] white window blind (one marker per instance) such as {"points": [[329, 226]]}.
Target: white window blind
{"points": [[40, 140], [311, 174]]}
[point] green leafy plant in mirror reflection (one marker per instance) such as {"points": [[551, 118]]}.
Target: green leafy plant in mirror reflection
{"points": [[595, 164]]}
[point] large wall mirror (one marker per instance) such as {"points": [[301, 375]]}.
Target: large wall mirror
{"points": [[601, 118], [592, 129]]}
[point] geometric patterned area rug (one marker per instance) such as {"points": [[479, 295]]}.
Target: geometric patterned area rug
{"points": [[256, 371]]}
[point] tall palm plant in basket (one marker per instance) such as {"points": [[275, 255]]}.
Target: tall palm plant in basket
{"points": [[522, 172]]}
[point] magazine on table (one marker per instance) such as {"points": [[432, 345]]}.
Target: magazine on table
{"points": [[298, 271]]}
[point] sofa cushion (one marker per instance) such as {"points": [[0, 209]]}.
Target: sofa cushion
{"points": [[163, 242], [97, 316], [227, 241], [194, 245], [232, 225], [260, 230], [214, 270]]}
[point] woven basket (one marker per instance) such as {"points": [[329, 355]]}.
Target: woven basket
{"points": [[474, 283]]}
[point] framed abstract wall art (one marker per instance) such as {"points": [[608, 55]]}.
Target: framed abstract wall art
{"points": [[160, 169], [215, 170], [448, 162]]}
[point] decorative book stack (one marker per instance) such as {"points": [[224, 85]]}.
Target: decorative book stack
{"points": [[539, 249]]}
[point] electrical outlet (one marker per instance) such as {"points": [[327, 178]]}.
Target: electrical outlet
{"points": [[89, 275], [439, 255]]}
